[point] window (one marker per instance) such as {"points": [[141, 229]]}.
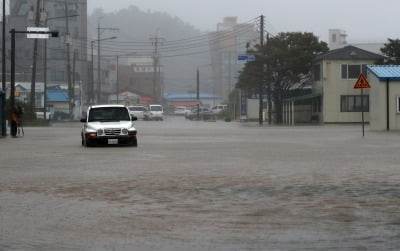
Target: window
{"points": [[352, 103], [333, 38], [352, 71], [317, 72], [398, 104]]}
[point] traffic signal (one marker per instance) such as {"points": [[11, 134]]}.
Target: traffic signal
{"points": [[54, 33]]}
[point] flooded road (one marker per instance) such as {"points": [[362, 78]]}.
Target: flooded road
{"points": [[193, 185]]}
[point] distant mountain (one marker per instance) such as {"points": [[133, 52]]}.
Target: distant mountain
{"points": [[136, 28]]}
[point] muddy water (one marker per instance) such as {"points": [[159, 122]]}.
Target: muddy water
{"points": [[218, 188]]}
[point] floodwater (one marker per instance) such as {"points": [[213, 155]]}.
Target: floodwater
{"points": [[194, 185]]}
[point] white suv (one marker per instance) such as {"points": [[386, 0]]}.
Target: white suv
{"points": [[138, 111], [217, 109], [155, 112], [108, 124]]}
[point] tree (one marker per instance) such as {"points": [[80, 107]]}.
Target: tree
{"points": [[285, 60], [392, 51]]}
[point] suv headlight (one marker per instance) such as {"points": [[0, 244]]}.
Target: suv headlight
{"points": [[100, 132], [124, 131]]}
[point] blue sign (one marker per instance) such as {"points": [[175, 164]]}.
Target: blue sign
{"points": [[246, 57]]}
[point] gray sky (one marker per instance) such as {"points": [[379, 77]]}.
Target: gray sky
{"points": [[363, 20]]}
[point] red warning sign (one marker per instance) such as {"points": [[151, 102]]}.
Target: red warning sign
{"points": [[362, 82]]}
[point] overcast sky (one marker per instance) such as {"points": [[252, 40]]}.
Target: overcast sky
{"points": [[363, 20]]}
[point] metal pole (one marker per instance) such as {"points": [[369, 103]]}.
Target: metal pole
{"points": [[12, 89], [73, 80], [362, 111], [117, 84], [198, 93], [45, 78], [260, 111], [98, 65], [92, 84], [387, 106], [3, 76]]}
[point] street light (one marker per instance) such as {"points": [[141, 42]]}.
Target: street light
{"points": [[98, 81]]}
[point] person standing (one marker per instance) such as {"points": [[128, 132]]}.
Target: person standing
{"points": [[15, 120]]}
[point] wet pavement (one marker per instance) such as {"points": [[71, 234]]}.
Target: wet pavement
{"points": [[194, 185]]}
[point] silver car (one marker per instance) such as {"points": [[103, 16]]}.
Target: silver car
{"points": [[108, 124]]}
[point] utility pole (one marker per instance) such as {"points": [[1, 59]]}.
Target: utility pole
{"points": [[156, 41], [117, 84], [45, 76], [73, 78], [269, 96], [198, 93], [3, 76], [261, 90], [98, 65], [35, 49], [99, 29], [91, 95], [67, 41]]}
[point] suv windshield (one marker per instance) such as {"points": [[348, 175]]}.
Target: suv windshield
{"points": [[105, 114]]}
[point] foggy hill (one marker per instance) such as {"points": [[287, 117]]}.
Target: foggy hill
{"points": [[136, 27]]}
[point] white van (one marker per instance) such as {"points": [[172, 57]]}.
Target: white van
{"points": [[217, 109], [155, 112]]}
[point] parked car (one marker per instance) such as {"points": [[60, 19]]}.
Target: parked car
{"points": [[181, 110], [218, 108], [204, 113], [108, 124], [154, 112], [138, 111]]}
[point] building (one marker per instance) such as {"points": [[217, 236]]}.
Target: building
{"points": [[208, 100], [337, 39], [334, 99], [52, 15], [226, 43], [137, 76], [384, 97]]}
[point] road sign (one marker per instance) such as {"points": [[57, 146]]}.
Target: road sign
{"points": [[36, 32], [362, 82], [246, 57]]}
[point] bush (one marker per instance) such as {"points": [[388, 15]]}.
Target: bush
{"points": [[226, 114]]}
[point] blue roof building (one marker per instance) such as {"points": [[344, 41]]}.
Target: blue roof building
{"points": [[384, 97]]}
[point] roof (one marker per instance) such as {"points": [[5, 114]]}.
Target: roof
{"points": [[110, 105], [349, 52], [56, 94], [385, 72], [305, 97], [185, 96]]}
